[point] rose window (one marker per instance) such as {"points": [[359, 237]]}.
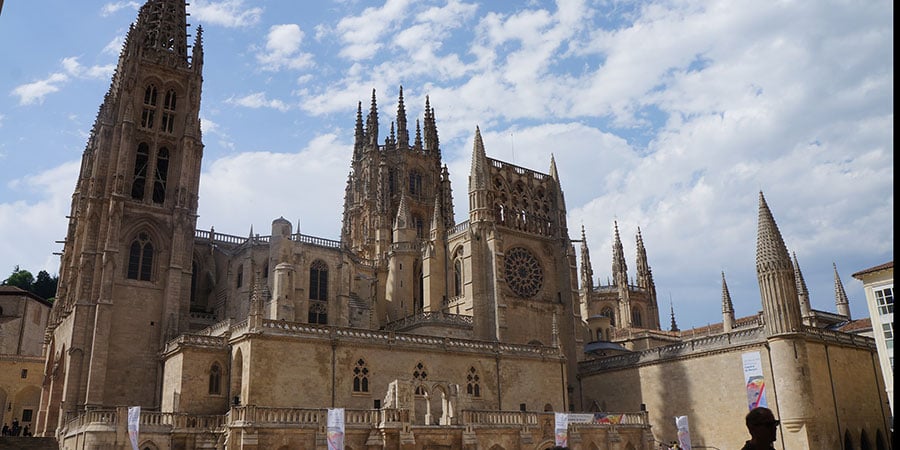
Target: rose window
{"points": [[523, 272]]}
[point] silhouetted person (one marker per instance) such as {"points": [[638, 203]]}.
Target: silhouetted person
{"points": [[25, 431], [763, 428], [5, 429]]}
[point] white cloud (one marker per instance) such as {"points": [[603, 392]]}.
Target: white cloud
{"points": [[361, 34], [35, 92], [226, 13], [109, 9], [44, 218], [74, 68], [114, 46], [283, 49], [258, 100]]}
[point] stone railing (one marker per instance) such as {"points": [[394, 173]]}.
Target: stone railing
{"points": [[391, 337], [687, 348], [220, 238], [197, 340], [148, 419], [840, 337], [430, 318], [492, 418], [458, 228], [517, 169], [304, 417], [317, 241]]}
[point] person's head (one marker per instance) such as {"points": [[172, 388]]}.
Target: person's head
{"points": [[762, 424]]}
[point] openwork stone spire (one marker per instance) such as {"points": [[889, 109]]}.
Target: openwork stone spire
{"points": [[727, 307], [777, 286], [619, 267], [402, 130], [161, 25], [587, 272], [840, 295], [673, 325], [478, 174]]}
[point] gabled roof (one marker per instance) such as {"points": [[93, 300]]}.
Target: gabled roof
{"points": [[17, 291], [885, 266]]}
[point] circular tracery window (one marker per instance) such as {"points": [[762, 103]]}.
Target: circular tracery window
{"points": [[523, 272]]}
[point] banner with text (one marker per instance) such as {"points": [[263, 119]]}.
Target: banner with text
{"points": [[754, 380], [134, 425], [562, 429], [335, 429]]}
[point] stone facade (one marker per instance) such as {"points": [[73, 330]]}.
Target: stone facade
{"points": [[430, 334]]}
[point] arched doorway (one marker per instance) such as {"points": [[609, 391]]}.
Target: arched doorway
{"points": [[237, 374]]}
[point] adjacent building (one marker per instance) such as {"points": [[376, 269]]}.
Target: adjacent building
{"points": [[878, 283]]}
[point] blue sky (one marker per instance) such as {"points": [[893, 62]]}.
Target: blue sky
{"points": [[670, 116]]}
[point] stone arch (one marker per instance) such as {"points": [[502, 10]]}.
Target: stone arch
{"points": [[545, 444], [237, 375], [496, 447], [438, 407], [593, 446], [548, 407], [864, 441], [27, 399], [148, 445], [848, 440], [629, 446]]}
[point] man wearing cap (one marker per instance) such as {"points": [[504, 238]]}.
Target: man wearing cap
{"points": [[763, 427]]}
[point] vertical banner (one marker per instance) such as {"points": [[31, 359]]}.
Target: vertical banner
{"points": [[562, 429], [134, 423], [753, 380], [335, 429], [684, 432]]}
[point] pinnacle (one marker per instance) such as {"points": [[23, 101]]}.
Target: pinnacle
{"points": [[770, 249]]}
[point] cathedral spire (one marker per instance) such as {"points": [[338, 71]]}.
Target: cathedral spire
{"points": [[162, 27], [553, 172], [418, 143], [775, 273], [587, 273], [672, 326], [430, 129], [840, 295], [727, 307], [402, 130], [479, 208], [644, 274], [619, 267], [802, 291], [359, 142], [372, 123]]}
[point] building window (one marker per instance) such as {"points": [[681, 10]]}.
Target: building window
{"points": [[27, 415], [888, 329], [636, 318], [415, 184], [608, 312], [162, 173], [457, 278], [360, 377], [318, 281], [168, 115], [140, 258], [884, 299], [24, 373], [318, 312], [419, 377], [215, 379], [149, 110], [140, 171], [240, 276], [473, 386]]}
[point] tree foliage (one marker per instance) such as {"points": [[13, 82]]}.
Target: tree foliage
{"points": [[43, 286]]}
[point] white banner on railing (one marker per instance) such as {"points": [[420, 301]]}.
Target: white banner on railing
{"points": [[684, 432], [335, 429], [562, 429], [134, 424]]}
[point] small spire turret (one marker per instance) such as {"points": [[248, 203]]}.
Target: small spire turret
{"points": [[802, 291], [587, 273], [402, 130], [840, 295], [727, 307], [372, 123], [775, 273], [672, 326]]}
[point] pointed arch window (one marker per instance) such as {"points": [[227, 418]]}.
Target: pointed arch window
{"points": [[149, 110], [141, 160], [419, 223], [419, 377], [636, 317], [415, 183], [318, 281], [162, 174], [608, 312], [240, 275], [457, 278], [473, 383], [140, 258], [361, 376], [215, 379], [168, 114]]}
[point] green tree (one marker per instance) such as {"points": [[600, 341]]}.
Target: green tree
{"points": [[45, 285], [21, 279]]}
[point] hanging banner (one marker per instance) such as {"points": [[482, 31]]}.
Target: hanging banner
{"points": [[684, 432], [562, 429], [753, 380], [134, 424], [335, 429]]}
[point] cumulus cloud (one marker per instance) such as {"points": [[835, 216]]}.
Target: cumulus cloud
{"points": [[258, 100], [227, 13], [283, 49], [36, 91], [362, 34], [111, 8]]}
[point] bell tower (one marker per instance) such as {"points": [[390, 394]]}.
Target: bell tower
{"points": [[126, 265]]}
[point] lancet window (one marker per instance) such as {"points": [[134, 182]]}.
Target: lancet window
{"points": [[140, 258], [636, 317], [318, 281], [149, 110], [215, 379], [162, 174], [240, 276], [141, 160], [168, 114], [608, 312], [457, 277]]}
